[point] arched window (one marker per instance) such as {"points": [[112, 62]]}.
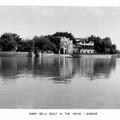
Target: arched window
{"points": [[61, 51]]}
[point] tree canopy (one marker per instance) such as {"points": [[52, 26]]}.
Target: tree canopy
{"points": [[65, 34], [103, 45], [9, 41], [13, 42]]}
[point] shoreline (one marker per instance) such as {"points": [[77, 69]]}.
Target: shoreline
{"points": [[19, 54]]}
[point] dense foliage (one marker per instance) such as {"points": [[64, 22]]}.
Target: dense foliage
{"points": [[12, 42], [65, 34], [51, 42], [26, 45], [43, 43], [103, 45]]}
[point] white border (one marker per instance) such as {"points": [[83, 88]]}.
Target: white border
{"points": [[62, 2], [19, 114], [23, 114]]}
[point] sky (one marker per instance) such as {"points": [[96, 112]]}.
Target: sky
{"points": [[28, 21]]}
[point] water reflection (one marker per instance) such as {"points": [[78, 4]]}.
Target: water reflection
{"points": [[104, 67], [56, 68]]}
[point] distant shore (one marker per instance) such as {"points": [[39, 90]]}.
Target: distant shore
{"points": [[24, 54], [10, 54]]}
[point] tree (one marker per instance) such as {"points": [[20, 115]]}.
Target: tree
{"points": [[44, 43], [103, 45], [9, 42], [98, 43], [18, 41], [113, 49], [56, 42], [65, 34], [107, 42], [26, 45], [114, 46]]}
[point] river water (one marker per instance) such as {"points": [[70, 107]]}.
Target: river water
{"points": [[59, 82]]}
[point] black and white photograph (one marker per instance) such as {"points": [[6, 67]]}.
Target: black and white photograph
{"points": [[59, 57], [59, 62]]}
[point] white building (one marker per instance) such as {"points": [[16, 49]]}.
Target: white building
{"points": [[66, 45], [83, 45]]}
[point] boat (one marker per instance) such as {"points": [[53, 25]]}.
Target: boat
{"points": [[75, 55]]}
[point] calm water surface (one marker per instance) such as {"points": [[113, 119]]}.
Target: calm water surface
{"points": [[59, 82]]}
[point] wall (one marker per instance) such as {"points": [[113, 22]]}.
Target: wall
{"points": [[87, 51], [66, 45]]}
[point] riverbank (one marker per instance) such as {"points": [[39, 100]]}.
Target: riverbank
{"points": [[10, 54], [21, 54], [24, 54], [96, 55]]}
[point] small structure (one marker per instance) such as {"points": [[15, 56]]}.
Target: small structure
{"points": [[66, 45], [84, 46], [29, 53], [36, 52]]}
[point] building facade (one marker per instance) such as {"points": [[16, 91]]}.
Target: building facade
{"points": [[66, 45], [84, 46]]}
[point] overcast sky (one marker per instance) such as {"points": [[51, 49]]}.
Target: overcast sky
{"points": [[28, 21]]}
